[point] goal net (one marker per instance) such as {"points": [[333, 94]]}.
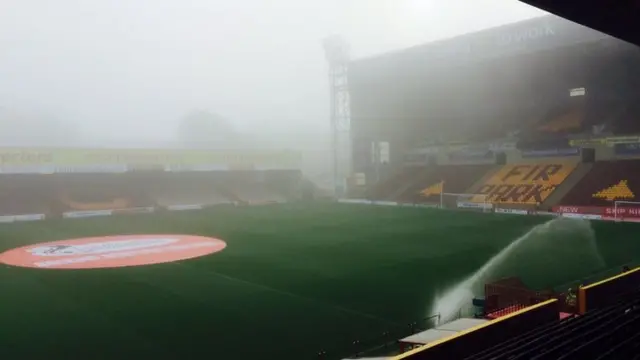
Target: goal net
{"points": [[626, 210], [478, 202]]}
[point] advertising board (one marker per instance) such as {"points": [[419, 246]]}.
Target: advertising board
{"points": [[627, 149], [563, 209], [572, 151], [474, 205], [470, 155], [587, 142], [613, 140], [85, 214], [604, 211], [21, 217], [511, 211], [184, 207], [582, 216]]}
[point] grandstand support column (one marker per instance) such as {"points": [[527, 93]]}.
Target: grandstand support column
{"points": [[337, 54]]}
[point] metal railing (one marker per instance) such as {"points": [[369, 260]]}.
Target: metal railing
{"points": [[596, 276], [386, 344]]}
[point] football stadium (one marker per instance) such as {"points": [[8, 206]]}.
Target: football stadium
{"points": [[491, 212]]}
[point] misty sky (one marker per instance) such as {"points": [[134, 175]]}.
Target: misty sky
{"points": [[133, 68]]}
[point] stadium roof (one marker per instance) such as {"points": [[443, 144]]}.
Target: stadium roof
{"points": [[542, 33], [617, 18]]}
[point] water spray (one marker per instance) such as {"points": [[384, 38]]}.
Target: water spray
{"points": [[459, 296]]}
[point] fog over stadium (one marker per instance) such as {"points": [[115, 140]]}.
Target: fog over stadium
{"points": [[319, 179], [126, 73]]}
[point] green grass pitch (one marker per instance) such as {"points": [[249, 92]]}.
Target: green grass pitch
{"points": [[293, 279]]}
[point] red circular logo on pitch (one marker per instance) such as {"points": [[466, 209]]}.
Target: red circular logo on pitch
{"points": [[112, 251]]}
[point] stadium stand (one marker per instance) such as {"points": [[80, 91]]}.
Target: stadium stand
{"points": [[249, 188], [487, 334], [22, 203], [564, 123], [622, 125], [443, 178], [604, 327], [524, 183], [285, 183], [24, 194], [560, 121], [385, 190], [605, 333], [142, 189], [185, 189], [91, 192], [607, 182], [543, 114]]}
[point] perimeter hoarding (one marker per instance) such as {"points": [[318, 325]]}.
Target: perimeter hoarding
{"points": [[43, 160], [626, 149], [626, 212]]}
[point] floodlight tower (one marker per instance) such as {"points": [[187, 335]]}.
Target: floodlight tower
{"points": [[337, 54]]}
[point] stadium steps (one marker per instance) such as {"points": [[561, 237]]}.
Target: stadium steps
{"points": [[482, 180], [576, 175], [505, 349], [592, 339], [386, 188], [229, 193], [417, 178], [574, 336]]}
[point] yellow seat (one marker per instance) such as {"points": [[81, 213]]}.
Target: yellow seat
{"points": [[524, 183], [619, 191]]}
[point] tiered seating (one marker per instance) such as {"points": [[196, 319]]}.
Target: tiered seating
{"points": [[286, 183], [90, 192], [22, 203], [620, 191], [524, 183], [560, 121], [447, 178], [386, 189], [249, 187], [255, 193], [609, 333], [21, 195], [606, 183], [627, 123], [185, 189], [564, 123]]}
